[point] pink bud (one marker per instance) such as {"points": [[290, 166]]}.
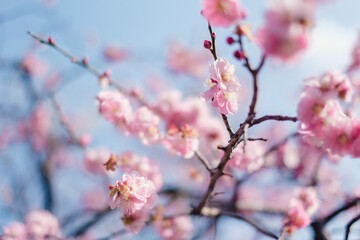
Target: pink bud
{"points": [[230, 40], [207, 44], [51, 41], [85, 61], [111, 187], [239, 54], [213, 35], [107, 73], [73, 60], [85, 140]]}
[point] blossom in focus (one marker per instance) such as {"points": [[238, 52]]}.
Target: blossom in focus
{"points": [[286, 31], [181, 59], [132, 193], [14, 231], [115, 108], [224, 87], [145, 126], [182, 141], [223, 13], [42, 224]]}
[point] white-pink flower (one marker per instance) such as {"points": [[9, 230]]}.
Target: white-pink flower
{"points": [[14, 231], [146, 167], [177, 228], [116, 108], [41, 225], [286, 31], [132, 193], [145, 126], [181, 59], [307, 197], [183, 141], [224, 87], [251, 160], [95, 159], [223, 13], [297, 218]]}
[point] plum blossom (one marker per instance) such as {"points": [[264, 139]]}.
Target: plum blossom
{"points": [[146, 167], [95, 159], [33, 66], [14, 231], [113, 53], [115, 108], [145, 126], [297, 217], [41, 223], [182, 141], [250, 160], [136, 221], [132, 193], [181, 59], [177, 228], [286, 31], [224, 87], [223, 13], [307, 197]]}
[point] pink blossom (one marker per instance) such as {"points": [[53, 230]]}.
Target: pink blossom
{"points": [[297, 218], [192, 62], [251, 160], [114, 53], [145, 126], [286, 31], [146, 167], [95, 159], [183, 141], [116, 108], [33, 65], [39, 127], [15, 231], [223, 13], [136, 221], [177, 228], [307, 197], [132, 194], [224, 87], [42, 224]]}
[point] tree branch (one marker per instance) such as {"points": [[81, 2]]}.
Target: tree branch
{"points": [[348, 226]]}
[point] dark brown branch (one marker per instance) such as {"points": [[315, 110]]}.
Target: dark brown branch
{"points": [[204, 161], [252, 223], [347, 206], [227, 125], [113, 235], [273, 117], [348, 226]]}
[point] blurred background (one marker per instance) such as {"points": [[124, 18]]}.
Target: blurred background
{"points": [[135, 40]]}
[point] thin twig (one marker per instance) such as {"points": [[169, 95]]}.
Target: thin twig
{"points": [[273, 117], [204, 161], [348, 226]]}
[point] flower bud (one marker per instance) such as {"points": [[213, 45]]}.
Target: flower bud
{"points": [[207, 44]]}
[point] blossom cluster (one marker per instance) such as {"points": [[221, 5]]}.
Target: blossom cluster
{"points": [[324, 121], [144, 124], [39, 225], [302, 206], [286, 31], [224, 87]]}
